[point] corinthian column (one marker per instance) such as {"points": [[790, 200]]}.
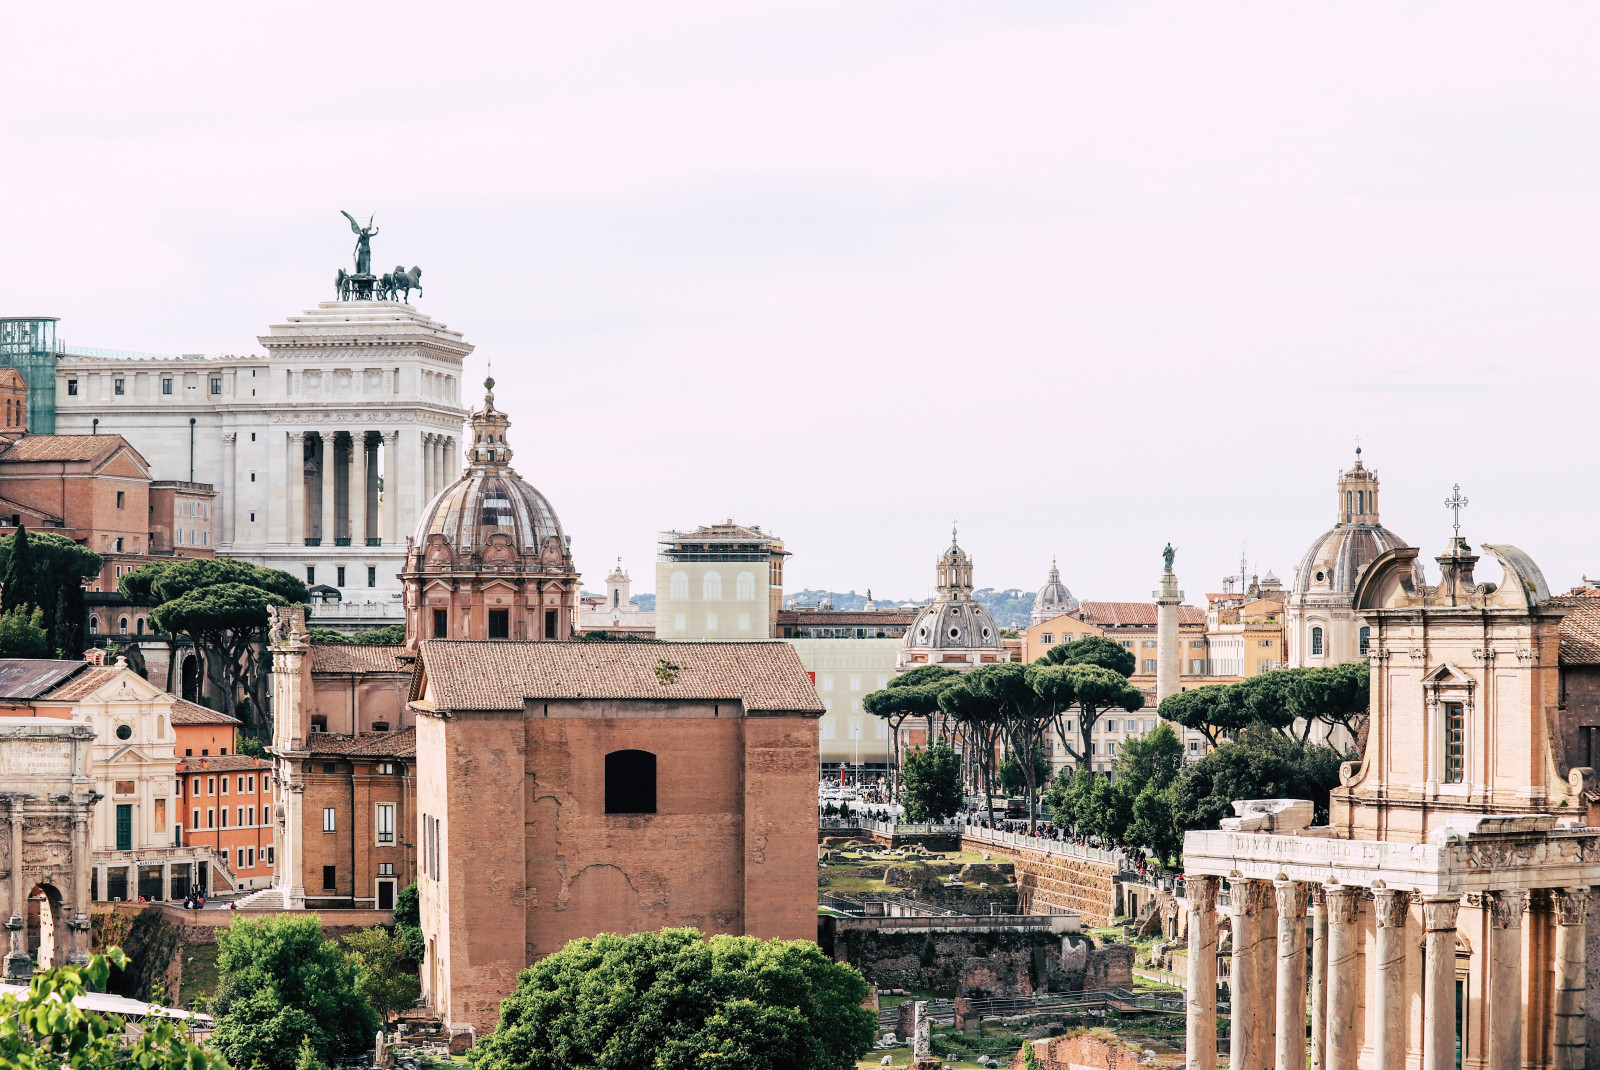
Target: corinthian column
{"points": [[356, 496], [1344, 902], [1201, 1033], [1439, 981], [1572, 904], [1505, 978], [1319, 977], [1389, 1044], [389, 507], [1291, 1001], [1245, 1041]]}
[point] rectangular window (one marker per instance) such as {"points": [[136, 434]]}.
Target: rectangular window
{"points": [[441, 624], [385, 869], [386, 824], [499, 624], [224, 786], [1149, 665], [1455, 742], [211, 818], [827, 730], [166, 386], [120, 499], [125, 826], [223, 813], [240, 818], [72, 387], [1149, 644], [550, 624], [327, 819], [270, 852], [211, 783], [118, 387], [1111, 726], [1197, 666], [216, 385], [311, 574], [1047, 638], [225, 857], [196, 822], [329, 875], [250, 862], [372, 576], [340, 574]]}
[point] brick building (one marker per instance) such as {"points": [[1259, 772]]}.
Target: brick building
{"points": [[225, 803], [568, 789]]}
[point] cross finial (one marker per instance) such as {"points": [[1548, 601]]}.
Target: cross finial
{"points": [[1455, 503]]}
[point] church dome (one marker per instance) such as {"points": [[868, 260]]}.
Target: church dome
{"points": [[491, 511], [954, 620], [1053, 598], [1334, 562]]}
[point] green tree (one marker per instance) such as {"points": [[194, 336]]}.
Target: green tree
{"points": [[408, 922], [1152, 824], [671, 1000], [1014, 778], [220, 604], [44, 1030], [1258, 763], [385, 972], [1089, 689], [281, 981], [47, 570], [22, 633], [1336, 696], [932, 783], [1093, 650], [911, 694]]}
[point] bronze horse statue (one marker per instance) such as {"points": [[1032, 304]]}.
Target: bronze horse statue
{"points": [[403, 281]]}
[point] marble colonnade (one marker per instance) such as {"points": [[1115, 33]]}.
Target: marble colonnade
{"points": [[1268, 1007], [330, 470]]}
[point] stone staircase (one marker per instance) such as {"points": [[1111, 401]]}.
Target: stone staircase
{"points": [[264, 899]]}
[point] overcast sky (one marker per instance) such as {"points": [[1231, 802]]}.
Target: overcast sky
{"points": [[1087, 277]]}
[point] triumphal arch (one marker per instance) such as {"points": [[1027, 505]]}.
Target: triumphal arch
{"points": [[1446, 900], [46, 798]]}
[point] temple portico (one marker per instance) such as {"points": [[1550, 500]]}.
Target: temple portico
{"points": [[1439, 919]]}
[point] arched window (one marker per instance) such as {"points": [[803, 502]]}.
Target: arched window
{"points": [[1316, 642], [94, 626], [122, 626], [1366, 639], [140, 625], [630, 782], [746, 587], [616, 598], [711, 587], [680, 585]]}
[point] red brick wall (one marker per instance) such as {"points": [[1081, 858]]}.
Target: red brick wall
{"points": [[353, 791], [780, 799]]}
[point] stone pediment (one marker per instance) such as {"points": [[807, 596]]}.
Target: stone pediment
{"points": [[1446, 673], [130, 754]]}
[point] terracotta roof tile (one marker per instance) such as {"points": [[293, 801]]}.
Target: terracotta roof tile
{"points": [[401, 744], [359, 658], [60, 447], [225, 763], [83, 684], [1137, 614], [186, 712], [1580, 629], [834, 618], [466, 674]]}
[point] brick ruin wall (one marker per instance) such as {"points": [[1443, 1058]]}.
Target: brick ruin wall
{"points": [[984, 965], [1048, 882]]}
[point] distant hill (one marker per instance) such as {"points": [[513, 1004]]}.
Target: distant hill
{"points": [[645, 602], [1009, 608]]}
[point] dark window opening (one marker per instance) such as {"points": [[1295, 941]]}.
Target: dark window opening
{"points": [[499, 624], [125, 820], [372, 576], [441, 623], [328, 875], [1455, 743], [550, 624], [1365, 639], [340, 581], [630, 782]]}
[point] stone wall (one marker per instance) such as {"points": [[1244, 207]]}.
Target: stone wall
{"points": [[984, 965], [1078, 1053], [1050, 882]]}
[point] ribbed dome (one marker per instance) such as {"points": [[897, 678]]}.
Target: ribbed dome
{"points": [[953, 626], [490, 500], [1335, 561], [1053, 598]]}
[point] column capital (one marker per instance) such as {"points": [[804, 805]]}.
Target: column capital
{"points": [[1391, 905], [1572, 904], [1292, 897], [1506, 908], [1319, 898], [229, 437], [391, 436], [1201, 891], [1248, 897], [296, 436], [1344, 902], [1439, 912]]}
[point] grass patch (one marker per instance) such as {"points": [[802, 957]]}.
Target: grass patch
{"points": [[199, 974]]}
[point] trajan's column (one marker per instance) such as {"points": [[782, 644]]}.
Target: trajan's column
{"points": [[1169, 658]]}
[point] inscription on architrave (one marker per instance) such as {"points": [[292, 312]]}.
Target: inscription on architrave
{"points": [[35, 758]]}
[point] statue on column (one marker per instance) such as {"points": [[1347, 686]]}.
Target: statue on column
{"points": [[1167, 555]]}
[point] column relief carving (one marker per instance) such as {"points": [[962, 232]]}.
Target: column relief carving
{"points": [[1506, 908], [1439, 913], [1571, 905], [1392, 906], [1201, 892]]}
